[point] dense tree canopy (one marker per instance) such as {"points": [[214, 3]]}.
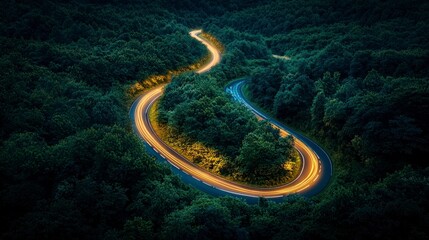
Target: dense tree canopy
{"points": [[263, 154], [197, 107], [354, 76]]}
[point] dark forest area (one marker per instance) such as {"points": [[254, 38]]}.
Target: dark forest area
{"points": [[353, 75]]}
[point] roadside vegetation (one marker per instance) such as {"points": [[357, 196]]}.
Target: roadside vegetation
{"points": [[356, 81], [196, 116]]}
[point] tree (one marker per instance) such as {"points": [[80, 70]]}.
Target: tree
{"points": [[335, 114], [335, 57], [359, 64], [138, 228], [105, 111], [328, 84], [294, 97], [194, 106], [317, 111], [204, 219], [372, 81], [265, 83], [263, 154]]}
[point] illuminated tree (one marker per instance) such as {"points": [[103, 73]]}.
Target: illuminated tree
{"points": [[263, 154]]}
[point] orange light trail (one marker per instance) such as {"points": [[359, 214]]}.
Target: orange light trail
{"points": [[310, 169]]}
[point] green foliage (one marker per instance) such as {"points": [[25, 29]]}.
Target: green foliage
{"points": [[197, 107], [204, 219], [264, 84], [343, 78], [263, 154], [294, 95], [317, 111], [70, 168], [137, 228]]}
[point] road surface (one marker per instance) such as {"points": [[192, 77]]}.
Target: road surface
{"points": [[324, 162], [214, 52], [307, 183]]}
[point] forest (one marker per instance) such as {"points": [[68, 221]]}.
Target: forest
{"points": [[222, 136], [354, 77]]}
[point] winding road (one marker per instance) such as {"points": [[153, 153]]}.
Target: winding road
{"points": [[316, 170]]}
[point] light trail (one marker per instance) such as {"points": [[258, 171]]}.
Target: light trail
{"points": [[214, 52], [307, 178]]}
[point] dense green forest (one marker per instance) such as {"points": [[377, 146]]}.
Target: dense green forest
{"points": [[72, 168], [251, 152]]}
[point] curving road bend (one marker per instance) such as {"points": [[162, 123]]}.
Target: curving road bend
{"points": [[214, 52], [314, 176], [309, 150]]}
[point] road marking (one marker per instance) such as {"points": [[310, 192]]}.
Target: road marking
{"points": [[316, 178], [174, 165], [316, 155], [196, 178]]}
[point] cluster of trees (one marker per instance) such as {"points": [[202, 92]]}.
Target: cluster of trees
{"points": [[96, 183], [391, 208], [263, 155], [376, 116], [70, 166], [98, 44], [348, 83], [357, 80], [196, 106]]}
